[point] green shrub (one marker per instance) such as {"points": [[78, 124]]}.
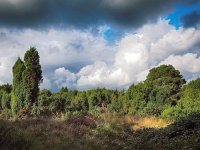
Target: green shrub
{"points": [[98, 97], [94, 112], [41, 107], [116, 105], [58, 103], [5, 100], [80, 102], [6, 114], [188, 104]]}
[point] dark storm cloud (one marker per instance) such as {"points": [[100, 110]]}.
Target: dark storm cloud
{"points": [[20, 12], [191, 20], [81, 13]]}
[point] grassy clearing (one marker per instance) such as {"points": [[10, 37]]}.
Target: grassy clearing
{"points": [[109, 131]]}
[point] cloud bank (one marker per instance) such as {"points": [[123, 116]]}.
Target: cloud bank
{"points": [[81, 14], [153, 45], [81, 60], [69, 48]]}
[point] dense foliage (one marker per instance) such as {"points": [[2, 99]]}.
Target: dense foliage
{"points": [[160, 90], [188, 104], [163, 94], [32, 77], [18, 86], [27, 77]]}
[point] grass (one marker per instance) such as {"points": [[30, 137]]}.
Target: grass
{"points": [[12, 137], [108, 131], [151, 122], [136, 122]]}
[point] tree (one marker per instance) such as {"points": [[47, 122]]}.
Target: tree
{"points": [[189, 103], [6, 87], [18, 88], [32, 76], [5, 96], [160, 90], [43, 103], [58, 102], [64, 89], [117, 102], [80, 102], [138, 97], [92, 97], [166, 83], [5, 100], [98, 98], [163, 71]]}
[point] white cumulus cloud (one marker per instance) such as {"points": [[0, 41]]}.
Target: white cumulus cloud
{"points": [[136, 53], [188, 63], [56, 48], [82, 60]]}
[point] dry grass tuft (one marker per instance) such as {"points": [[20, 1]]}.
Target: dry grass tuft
{"points": [[136, 122], [150, 122]]}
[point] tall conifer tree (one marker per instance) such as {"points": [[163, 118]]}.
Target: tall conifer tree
{"points": [[18, 88], [32, 76]]}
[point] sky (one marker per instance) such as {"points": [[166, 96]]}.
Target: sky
{"points": [[86, 44]]}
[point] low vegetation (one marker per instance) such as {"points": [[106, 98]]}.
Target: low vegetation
{"points": [[88, 132]]}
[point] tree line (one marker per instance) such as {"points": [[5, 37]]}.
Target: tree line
{"points": [[164, 93]]}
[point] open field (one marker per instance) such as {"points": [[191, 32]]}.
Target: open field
{"points": [[108, 131]]}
